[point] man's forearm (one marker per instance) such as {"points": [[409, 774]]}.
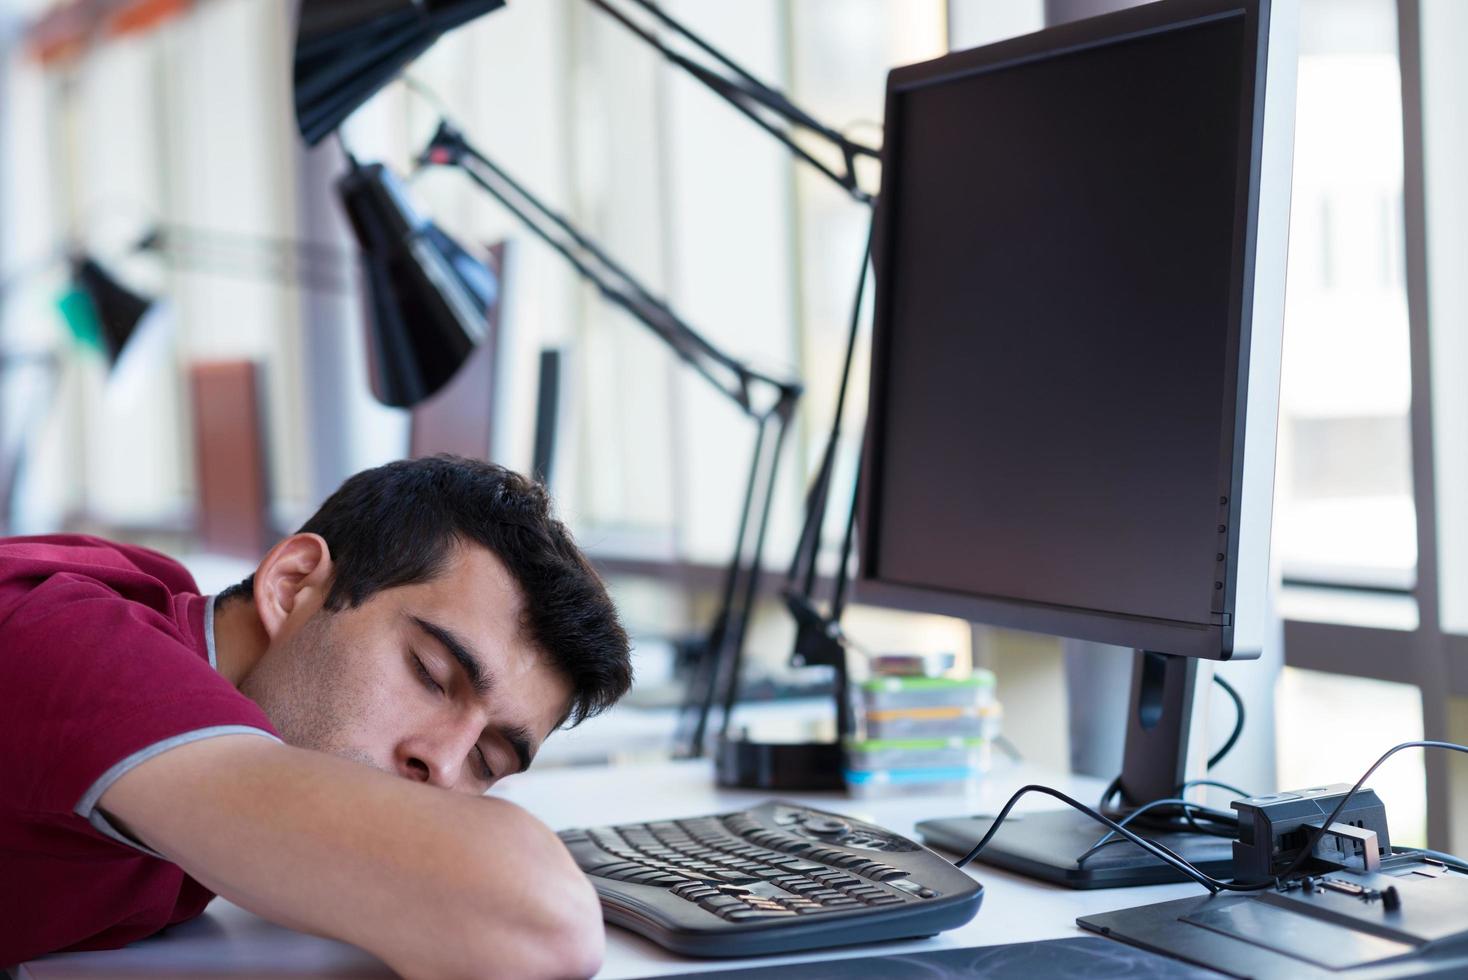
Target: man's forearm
{"points": [[433, 882]]}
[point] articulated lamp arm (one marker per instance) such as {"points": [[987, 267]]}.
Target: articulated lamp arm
{"points": [[767, 107], [736, 380]]}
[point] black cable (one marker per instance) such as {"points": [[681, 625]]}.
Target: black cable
{"points": [[1233, 737], [1242, 794], [1159, 851], [807, 549], [1222, 824], [1229, 835], [1111, 835], [1216, 823], [1226, 827]]}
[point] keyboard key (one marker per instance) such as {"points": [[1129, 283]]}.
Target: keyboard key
{"points": [[625, 873], [796, 864], [717, 903], [744, 915], [643, 877], [735, 877]]}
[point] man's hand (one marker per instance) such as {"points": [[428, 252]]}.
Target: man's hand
{"points": [[434, 883]]}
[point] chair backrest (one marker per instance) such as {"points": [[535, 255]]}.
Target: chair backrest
{"points": [[233, 516]]}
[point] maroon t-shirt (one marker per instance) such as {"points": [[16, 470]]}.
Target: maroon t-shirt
{"points": [[104, 662]]}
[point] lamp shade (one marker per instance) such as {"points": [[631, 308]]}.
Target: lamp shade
{"points": [[428, 299], [348, 49], [116, 309]]}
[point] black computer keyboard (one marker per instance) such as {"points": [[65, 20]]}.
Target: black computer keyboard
{"points": [[774, 878]]}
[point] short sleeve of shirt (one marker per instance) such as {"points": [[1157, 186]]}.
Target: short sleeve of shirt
{"points": [[97, 676]]}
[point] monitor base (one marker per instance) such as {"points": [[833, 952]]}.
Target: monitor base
{"points": [[1045, 845]]}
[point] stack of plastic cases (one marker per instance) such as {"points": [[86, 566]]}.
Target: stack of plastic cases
{"points": [[921, 734]]}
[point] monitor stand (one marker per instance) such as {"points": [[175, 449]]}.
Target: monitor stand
{"points": [[1046, 844]]}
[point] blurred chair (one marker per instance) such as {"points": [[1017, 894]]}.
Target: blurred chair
{"points": [[233, 515]]}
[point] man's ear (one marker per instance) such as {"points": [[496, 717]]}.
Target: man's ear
{"points": [[296, 572]]}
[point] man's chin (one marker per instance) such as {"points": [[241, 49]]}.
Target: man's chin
{"points": [[353, 755], [350, 754]]}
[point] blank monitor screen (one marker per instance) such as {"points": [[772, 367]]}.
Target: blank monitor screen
{"points": [[1056, 356]]}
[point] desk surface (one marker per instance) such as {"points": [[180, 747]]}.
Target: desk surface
{"points": [[228, 941]]}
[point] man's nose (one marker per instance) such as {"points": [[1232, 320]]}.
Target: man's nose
{"points": [[432, 761]]}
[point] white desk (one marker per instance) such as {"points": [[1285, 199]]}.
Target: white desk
{"points": [[230, 942]]}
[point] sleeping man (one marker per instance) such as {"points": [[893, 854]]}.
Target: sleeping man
{"points": [[313, 743]]}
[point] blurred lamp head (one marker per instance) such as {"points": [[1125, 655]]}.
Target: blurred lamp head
{"points": [[348, 49], [116, 311], [428, 299]]}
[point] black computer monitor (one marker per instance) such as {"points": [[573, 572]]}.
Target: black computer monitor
{"points": [[1079, 257]]}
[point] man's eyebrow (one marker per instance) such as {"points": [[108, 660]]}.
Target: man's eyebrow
{"points": [[519, 739], [480, 678]]}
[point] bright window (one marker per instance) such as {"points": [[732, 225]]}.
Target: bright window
{"points": [[1345, 506]]}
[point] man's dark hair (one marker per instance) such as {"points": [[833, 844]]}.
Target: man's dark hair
{"points": [[399, 523]]}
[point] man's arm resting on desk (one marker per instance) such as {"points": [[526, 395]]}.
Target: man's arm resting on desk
{"points": [[433, 882]]}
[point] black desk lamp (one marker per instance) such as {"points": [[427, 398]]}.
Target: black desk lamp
{"points": [[346, 50]]}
